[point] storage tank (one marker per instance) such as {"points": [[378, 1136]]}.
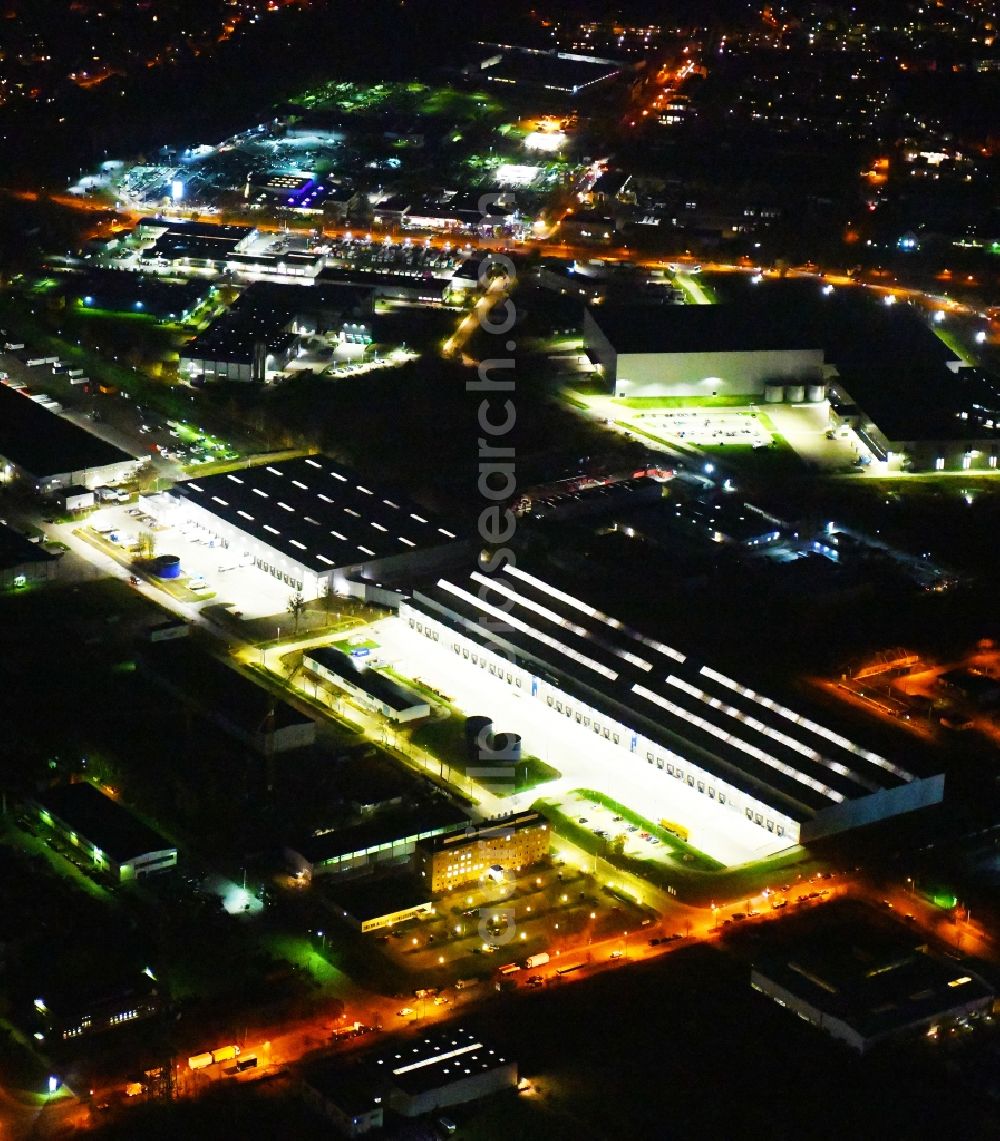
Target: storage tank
{"points": [[165, 566], [774, 393], [508, 746], [478, 734], [795, 393], [815, 393]]}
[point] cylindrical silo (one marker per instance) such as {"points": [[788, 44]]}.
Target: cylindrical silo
{"points": [[478, 735], [795, 393], [166, 566], [506, 747], [774, 393], [815, 393]]}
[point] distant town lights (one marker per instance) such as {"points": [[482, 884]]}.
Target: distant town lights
{"points": [[939, 316]]}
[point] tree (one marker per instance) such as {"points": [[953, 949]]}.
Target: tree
{"points": [[147, 544], [296, 607]]}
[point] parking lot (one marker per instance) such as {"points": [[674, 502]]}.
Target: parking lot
{"points": [[205, 567], [704, 427], [606, 824]]}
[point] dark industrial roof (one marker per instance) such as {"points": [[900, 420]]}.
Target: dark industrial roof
{"points": [[117, 289], [551, 70], [370, 899], [376, 685], [386, 828], [318, 513], [16, 550], [489, 829], [437, 1060], [267, 309], [692, 711], [385, 278], [875, 978], [925, 402], [701, 329], [187, 229], [44, 444], [104, 822], [349, 1088]]}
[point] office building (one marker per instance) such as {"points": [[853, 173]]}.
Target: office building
{"points": [[508, 845]]}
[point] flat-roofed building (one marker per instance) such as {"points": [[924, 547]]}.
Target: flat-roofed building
{"points": [[258, 335], [110, 834], [444, 1067], [735, 756], [186, 247], [367, 687], [554, 73], [507, 845], [373, 905], [388, 838], [315, 524], [865, 979], [52, 453], [348, 1096], [22, 561], [700, 350]]}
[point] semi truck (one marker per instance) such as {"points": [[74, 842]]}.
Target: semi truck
{"points": [[538, 960]]}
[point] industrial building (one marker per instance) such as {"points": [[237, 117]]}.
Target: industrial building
{"points": [[533, 70], [315, 524], [237, 704], [123, 291], [921, 417], [190, 247], [389, 838], [446, 1067], [368, 688], [22, 562], [865, 982], [106, 830], [373, 905], [67, 1011], [412, 1078], [879, 369], [508, 845], [352, 1100], [51, 453], [259, 334], [396, 284], [702, 350], [717, 748]]}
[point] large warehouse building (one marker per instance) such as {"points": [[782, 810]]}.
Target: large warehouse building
{"points": [[878, 368], [315, 524], [52, 453], [699, 350], [703, 745]]}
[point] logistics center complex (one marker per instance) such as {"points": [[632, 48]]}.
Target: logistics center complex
{"points": [[706, 746]]}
